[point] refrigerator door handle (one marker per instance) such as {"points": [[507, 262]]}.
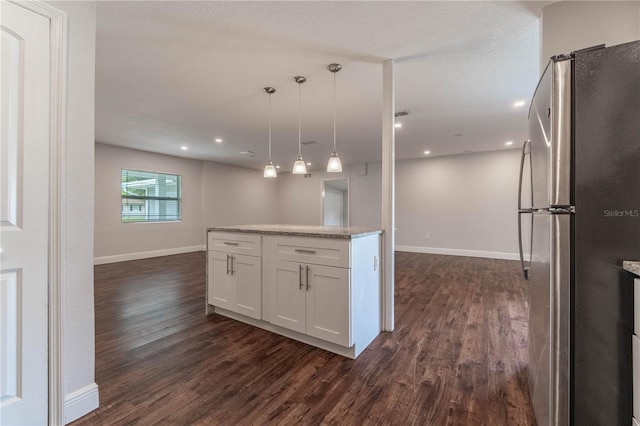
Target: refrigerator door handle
{"points": [[525, 269], [526, 151]]}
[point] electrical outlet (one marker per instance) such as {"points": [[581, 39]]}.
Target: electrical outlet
{"points": [[427, 235]]}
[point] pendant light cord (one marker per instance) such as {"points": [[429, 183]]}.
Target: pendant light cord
{"points": [[299, 119], [269, 127], [334, 112]]}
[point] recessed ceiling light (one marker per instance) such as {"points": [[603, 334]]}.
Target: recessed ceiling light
{"points": [[308, 164], [518, 104], [508, 143], [427, 152], [277, 167], [397, 125], [184, 148], [218, 140]]}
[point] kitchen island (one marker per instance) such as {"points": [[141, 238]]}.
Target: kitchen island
{"points": [[316, 284]]}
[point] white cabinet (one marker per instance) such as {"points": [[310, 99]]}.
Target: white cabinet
{"points": [[234, 280], [321, 290], [311, 299], [327, 289]]}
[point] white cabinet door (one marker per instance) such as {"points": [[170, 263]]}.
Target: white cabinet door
{"points": [[247, 278], [288, 295], [328, 301], [221, 289]]}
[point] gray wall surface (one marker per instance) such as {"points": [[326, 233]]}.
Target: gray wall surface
{"points": [[212, 194], [575, 25], [113, 237], [300, 199], [237, 196], [466, 203]]}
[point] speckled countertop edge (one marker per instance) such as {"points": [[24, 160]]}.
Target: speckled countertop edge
{"points": [[346, 233], [632, 266]]}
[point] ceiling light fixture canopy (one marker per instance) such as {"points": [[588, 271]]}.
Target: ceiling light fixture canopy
{"points": [[334, 165], [299, 168], [269, 169]]}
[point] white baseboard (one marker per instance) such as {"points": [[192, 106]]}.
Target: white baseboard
{"points": [[458, 252], [146, 254], [81, 402]]}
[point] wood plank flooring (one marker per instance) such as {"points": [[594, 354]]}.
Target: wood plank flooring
{"points": [[458, 355]]}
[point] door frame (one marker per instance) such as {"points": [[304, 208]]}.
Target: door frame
{"points": [[58, 27], [322, 181]]}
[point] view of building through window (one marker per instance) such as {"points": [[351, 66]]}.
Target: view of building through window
{"points": [[150, 197]]}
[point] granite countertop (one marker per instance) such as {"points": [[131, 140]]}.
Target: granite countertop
{"points": [[632, 266], [347, 232]]}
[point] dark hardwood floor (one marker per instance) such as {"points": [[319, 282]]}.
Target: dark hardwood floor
{"points": [[458, 355]]}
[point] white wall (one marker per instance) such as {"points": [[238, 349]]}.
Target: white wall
{"points": [[574, 25], [366, 197], [300, 199], [212, 194], [467, 204], [115, 240], [237, 196], [78, 344]]}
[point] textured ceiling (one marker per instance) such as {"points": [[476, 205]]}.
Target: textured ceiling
{"points": [[172, 74]]}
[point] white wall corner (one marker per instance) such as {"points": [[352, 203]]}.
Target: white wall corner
{"points": [[146, 254], [459, 252], [81, 402]]}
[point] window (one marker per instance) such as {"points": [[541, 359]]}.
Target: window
{"points": [[150, 197]]}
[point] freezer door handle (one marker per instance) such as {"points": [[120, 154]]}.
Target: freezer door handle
{"points": [[523, 267], [526, 152]]}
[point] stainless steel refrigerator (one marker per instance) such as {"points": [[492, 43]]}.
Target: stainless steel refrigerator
{"points": [[579, 218]]}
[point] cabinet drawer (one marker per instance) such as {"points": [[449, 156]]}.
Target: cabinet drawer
{"points": [[319, 251], [636, 306], [636, 376], [235, 243]]}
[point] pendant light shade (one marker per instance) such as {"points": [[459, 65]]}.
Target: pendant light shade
{"points": [[334, 165], [269, 169], [299, 167]]}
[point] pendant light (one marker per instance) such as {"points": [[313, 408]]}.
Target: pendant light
{"points": [[269, 169], [334, 165], [299, 167]]}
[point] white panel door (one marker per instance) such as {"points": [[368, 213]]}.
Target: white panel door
{"points": [[247, 271], [332, 204], [328, 302], [288, 295], [24, 216], [221, 291]]}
